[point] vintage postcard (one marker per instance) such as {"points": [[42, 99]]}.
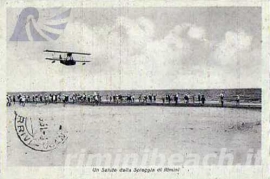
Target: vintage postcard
{"points": [[135, 89]]}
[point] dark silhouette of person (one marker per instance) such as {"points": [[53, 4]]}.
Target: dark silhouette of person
{"points": [[222, 99], [203, 99]]}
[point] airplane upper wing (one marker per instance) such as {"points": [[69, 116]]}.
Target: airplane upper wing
{"points": [[56, 51]]}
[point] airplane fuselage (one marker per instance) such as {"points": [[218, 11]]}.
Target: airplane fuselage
{"points": [[68, 62]]}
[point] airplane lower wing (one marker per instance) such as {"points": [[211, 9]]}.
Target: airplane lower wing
{"points": [[58, 59], [55, 59], [81, 61]]}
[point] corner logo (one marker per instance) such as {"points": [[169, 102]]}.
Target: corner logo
{"points": [[30, 27]]}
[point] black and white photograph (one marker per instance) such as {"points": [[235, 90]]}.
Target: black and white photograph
{"points": [[133, 87]]}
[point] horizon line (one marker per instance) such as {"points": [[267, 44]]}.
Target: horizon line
{"points": [[133, 90]]}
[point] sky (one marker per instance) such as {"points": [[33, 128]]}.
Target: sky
{"points": [[141, 48]]}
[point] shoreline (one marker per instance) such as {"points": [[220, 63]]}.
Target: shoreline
{"points": [[213, 104]]}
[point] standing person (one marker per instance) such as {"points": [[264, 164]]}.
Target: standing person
{"points": [[150, 98], [58, 98], [62, 98], [221, 99], [203, 99], [96, 99], [110, 98], [27, 98], [23, 100], [14, 99], [117, 98], [155, 98], [73, 99], [169, 98], [145, 99], [40, 98], [46, 99], [84, 97], [237, 100], [36, 98], [66, 98], [120, 98], [176, 99], [50, 98], [88, 98], [19, 97], [199, 98], [8, 101], [186, 98], [163, 100], [53, 98]]}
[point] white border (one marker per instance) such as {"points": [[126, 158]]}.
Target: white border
{"points": [[199, 172]]}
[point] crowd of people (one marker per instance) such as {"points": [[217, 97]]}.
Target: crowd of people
{"points": [[97, 99]]}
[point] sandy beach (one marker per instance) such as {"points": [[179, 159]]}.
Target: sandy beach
{"points": [[133, 129]]}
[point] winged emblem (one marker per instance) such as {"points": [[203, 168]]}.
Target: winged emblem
{"points": [[32, 27]]}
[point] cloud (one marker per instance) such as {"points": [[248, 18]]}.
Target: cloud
{"points": [[196, 32], [238, 40], [234, 43]]}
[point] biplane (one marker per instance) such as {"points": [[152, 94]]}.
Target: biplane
{"points": [[68, 60]]}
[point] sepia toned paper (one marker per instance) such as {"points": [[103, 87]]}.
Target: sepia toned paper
{"points": [[135, 89]]}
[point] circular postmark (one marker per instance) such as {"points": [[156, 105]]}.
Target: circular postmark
{"points": [[40, 135]]}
